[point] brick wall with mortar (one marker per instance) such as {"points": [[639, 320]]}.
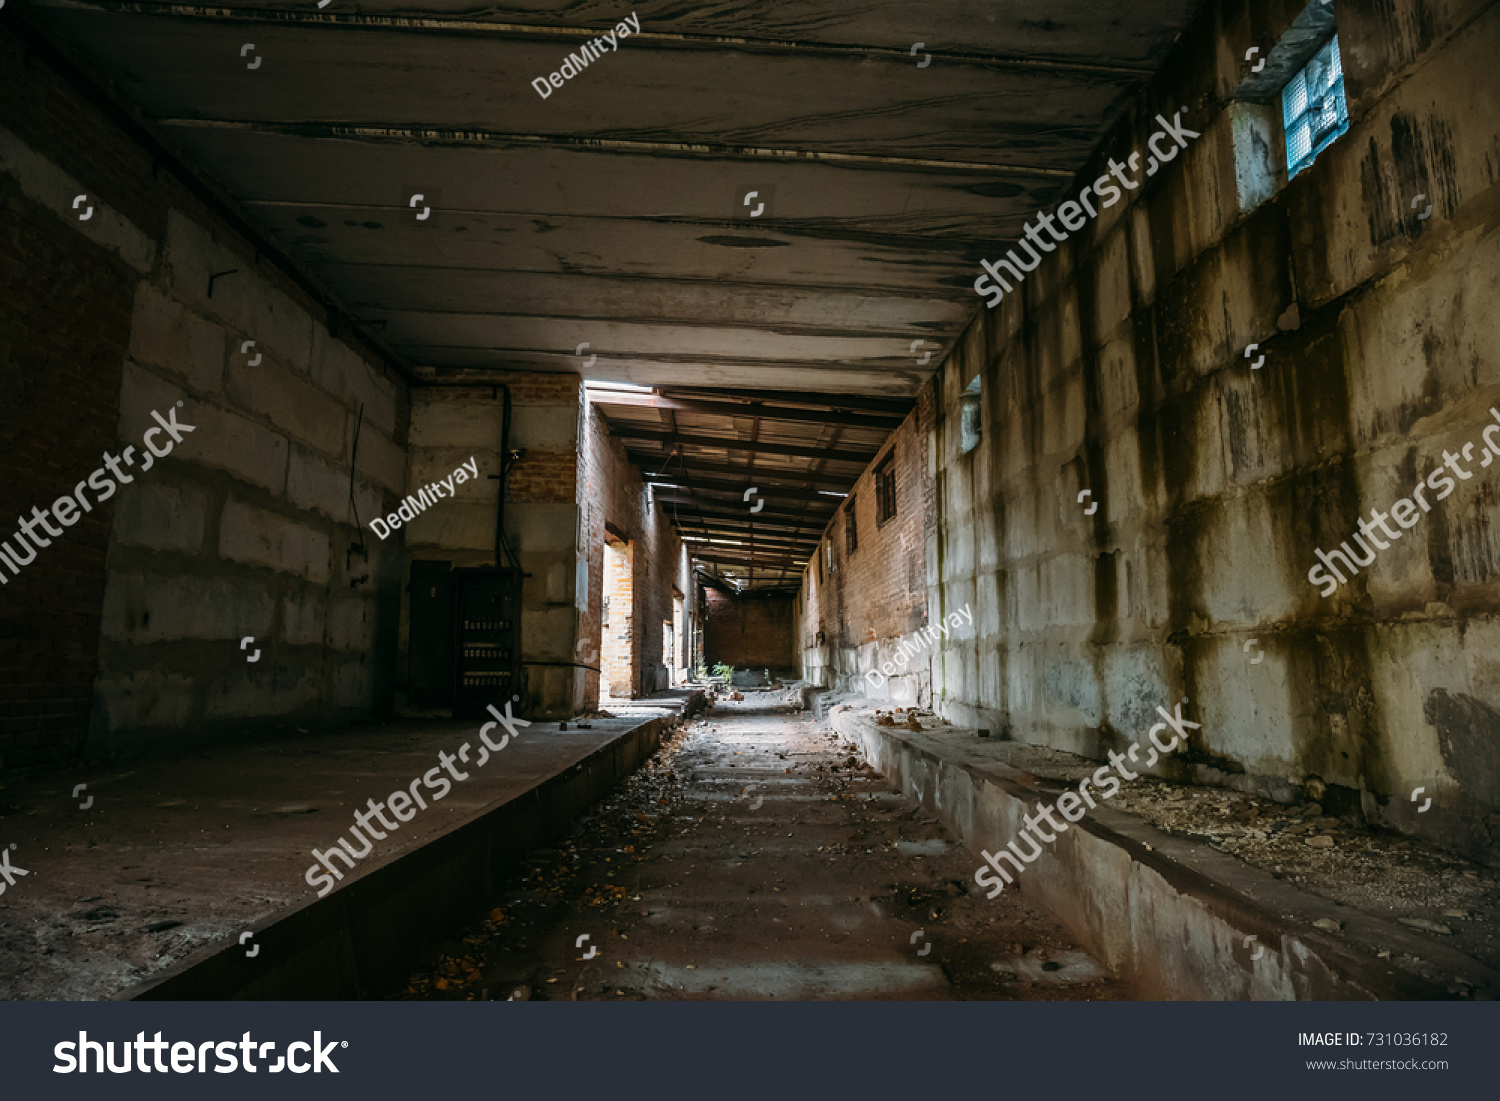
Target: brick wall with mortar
{"points": [[850, 618], [749, 631], [450, 425], [242, 530], [611, 489]]}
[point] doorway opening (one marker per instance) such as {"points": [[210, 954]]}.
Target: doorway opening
{"points": [[616, 649], [677, 655]]}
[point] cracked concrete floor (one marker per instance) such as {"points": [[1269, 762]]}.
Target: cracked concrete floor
{"points": [[756, 856]]}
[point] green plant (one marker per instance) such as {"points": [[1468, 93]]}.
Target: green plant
{"points": [[725, 671], [702, 671]]}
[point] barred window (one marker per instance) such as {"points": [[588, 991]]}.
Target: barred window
{"points": [[1313, 108]]}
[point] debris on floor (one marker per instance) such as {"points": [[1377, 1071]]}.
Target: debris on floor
{"points": [[757, 855]]}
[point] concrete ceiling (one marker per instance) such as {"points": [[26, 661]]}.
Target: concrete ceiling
{"points": [[613, 211]]}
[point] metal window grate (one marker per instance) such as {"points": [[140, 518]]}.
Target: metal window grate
{"points": [[1313, 108]]}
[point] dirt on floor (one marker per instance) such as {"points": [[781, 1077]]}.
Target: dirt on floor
{"points": [[1384, 874], [757, 856]]}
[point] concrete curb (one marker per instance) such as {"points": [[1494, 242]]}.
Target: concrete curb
{"points": [[1174, 917], [363, 939]]}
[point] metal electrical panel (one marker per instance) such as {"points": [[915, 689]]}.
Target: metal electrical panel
{"points": [[488, 627], [430, 652]]}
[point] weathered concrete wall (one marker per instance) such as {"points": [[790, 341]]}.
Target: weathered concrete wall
{"points": [[244, 529], [1118, 367], [451, 425]]}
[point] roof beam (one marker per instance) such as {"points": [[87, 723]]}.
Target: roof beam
{"points": [[656, 464], [767, 517], [738, 489], [896, 406], [736, 522], [724, 541], [630, 431], [722, 529], [620, 398], [460, 23], [795, 563], [726, 505]]}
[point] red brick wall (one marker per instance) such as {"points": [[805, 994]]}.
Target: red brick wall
{"points": [[66, 307], [749, 632], [63, 332], [64, 327], [880, 590], [544, 477], [611, 489]]}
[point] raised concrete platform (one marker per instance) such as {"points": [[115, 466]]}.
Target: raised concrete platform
{"points": [[148, 891], [1181, 920]]}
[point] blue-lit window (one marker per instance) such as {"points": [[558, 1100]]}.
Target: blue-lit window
{"points": [[1313, 108]]}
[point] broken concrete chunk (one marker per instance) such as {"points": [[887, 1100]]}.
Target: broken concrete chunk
{"points": [[1426, 926]]}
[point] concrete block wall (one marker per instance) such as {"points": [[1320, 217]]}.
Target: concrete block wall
{"points": [[243, 530], [1118, 367], [451, 425], [851, 616]]}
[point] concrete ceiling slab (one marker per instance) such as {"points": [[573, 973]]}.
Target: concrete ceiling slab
{"points": [[616, 210]]}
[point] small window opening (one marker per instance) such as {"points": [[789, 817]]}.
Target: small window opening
{"points": [[972, 420], [1313, 109], [885, 489], [851, 530]]}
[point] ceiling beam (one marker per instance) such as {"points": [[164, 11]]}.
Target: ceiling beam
{"points": [[795, 524], [738, 489], [568, 35], [728, 541], [726, 506], [774, 561], [630, 431], [622, 398], [704, 507], [661, 463], [739, 514], [897, 406], [400, 134], [723, 529]]}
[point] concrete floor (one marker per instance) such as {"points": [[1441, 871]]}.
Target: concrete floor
{"points": [[158, 861], [755, 857]]}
